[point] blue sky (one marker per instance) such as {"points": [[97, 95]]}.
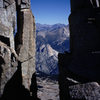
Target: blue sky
{"points": [[51, 11]]}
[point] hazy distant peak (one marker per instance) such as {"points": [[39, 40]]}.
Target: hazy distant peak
{"points": [[48, 25], [50, 40], [51, 51]]}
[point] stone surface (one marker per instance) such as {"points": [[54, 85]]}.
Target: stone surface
{"points": [[7, 3], [20, 66], [48, 89], [77, 5], [25, 4], [26, 46], [7, 23], [8, 65], [82, 62], [8, 57], [88, 91], [85, 35], [1, 3]]}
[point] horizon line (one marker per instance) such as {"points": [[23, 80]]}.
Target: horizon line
{"points": [[52, 24]]}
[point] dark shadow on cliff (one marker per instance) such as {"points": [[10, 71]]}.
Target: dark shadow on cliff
{"points": [[1, 62], [5, 40], [64, 61], [33, 87], [14, 90]]}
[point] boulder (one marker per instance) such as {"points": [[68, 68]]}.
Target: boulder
{"points": [[86, 91]]}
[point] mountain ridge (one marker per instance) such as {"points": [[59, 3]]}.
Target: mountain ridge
{"points": [[50, 40]]}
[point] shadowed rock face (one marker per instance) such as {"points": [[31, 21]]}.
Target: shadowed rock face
{"points": [[26, 47], [8, 65], [25, 41], [24, 4], [20, 66], [88, 91], [82, 63], [85, 39], [8, 57]]}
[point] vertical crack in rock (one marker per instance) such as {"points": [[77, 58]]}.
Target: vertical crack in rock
{"points": [[25, 46], [10, 62]]}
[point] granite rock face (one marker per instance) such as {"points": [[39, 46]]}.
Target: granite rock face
{"points": [[26, 46], [85, 35], [21, 61], [82, 62], [87, 91], [8, 57], [8, 65], [6, 3], [24, 4], [48, 89], [1, 3], [25, 41], [7, 22]]}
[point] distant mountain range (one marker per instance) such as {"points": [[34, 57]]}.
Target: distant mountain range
{"points": [[50, 40]]}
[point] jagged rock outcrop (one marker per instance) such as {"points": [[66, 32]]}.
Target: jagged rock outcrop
{"points": [[22, 63], [82, 63], [25, 4], [85, 39], [8, 65], [7, 21], [8, 57], [26, 47]]}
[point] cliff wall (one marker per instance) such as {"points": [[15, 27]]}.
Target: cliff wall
{"points": [[82, 64], [17, 56]]}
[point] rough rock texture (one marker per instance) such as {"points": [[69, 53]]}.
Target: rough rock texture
{"points": [[82, 62], [8, 57], [88, 91], [26, 46], [25, 4], [85, 34], [1, 3], [6, 3], [48, 89], [20, 66], [8, 65], [7, 22]]}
